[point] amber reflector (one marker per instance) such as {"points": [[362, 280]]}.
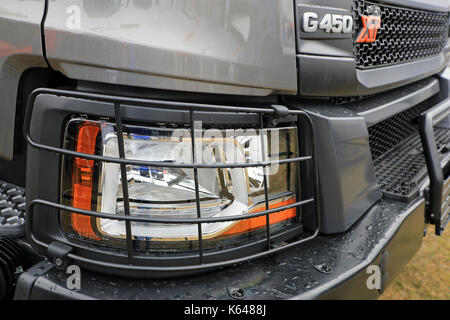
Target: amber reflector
{"points": [[82, 180], [259, 222]]}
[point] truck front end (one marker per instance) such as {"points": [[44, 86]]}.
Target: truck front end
{"points": [[229, 149]]}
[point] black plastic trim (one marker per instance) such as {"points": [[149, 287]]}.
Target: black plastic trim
{"points": [[343, 79], [378, 108]]}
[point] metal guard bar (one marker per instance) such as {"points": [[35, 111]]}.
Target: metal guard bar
{"points": [[427, 120], [117, 101]]}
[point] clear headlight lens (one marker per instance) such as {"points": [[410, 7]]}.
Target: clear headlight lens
{"points": [[168, 193]]}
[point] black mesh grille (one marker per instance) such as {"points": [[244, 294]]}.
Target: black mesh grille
{"points": [[389, 133], [346, 100], [400, 172], [404, 35], [397, 153]]}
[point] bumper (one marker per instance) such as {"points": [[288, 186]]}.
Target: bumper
{"points": [[387, 236]]}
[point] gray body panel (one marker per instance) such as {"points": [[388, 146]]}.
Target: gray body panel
{"points": [[20, 49], [227, 46]]}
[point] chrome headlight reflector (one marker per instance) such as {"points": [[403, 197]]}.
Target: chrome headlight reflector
{"points": [[169, 192]]}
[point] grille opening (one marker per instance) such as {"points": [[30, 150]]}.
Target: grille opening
{"points": [[404, 35], [397, 153]]}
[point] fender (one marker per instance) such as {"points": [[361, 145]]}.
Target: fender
{"points": [[20, 49]]}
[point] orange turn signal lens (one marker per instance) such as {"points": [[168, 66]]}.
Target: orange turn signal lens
{"points": [[83, 173], [248, 225]]}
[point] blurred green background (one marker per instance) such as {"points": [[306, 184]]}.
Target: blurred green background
{"points": [[427, 275]]}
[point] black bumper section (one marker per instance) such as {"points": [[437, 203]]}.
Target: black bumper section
{"points": [[330, 267]]}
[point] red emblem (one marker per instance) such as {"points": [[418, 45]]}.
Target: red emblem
{"points": [[371, 24]]}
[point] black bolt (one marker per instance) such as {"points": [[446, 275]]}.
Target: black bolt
{"points": [[59, 262], [323, 268], [326, 268], [237, 293]]}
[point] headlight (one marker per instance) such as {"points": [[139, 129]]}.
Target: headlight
{"points": [[168, 193]]}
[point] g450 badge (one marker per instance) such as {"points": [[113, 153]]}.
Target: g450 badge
{"points": [[324, 23], [335, 23]]}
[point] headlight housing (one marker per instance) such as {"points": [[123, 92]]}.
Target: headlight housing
{"points": [[168, 192]]}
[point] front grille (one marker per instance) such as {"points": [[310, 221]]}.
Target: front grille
{"points": [[397, 153], [400, 172], [404, 35], [389, 133], [346, 100]]}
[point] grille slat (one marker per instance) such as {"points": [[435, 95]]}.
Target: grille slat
{"points": [[404, 35]]}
